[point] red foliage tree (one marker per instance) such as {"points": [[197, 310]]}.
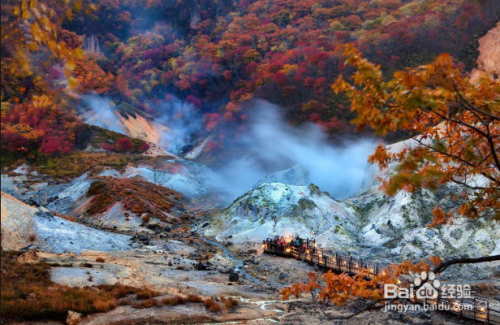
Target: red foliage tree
{"points": [[56, 143], [144, 147], [124, 144], [108, 147]]}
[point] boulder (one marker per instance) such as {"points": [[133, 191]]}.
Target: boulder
{"points": [[201, 267], [233, 276], [73, 318], [28, 257]]}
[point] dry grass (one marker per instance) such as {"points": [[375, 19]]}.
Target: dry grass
{"points": [[148, 303], [174, 301], [77, 163], [230, 303], [214, 306], [29, 294], [194, 298], [147, 294], [179, 300], [136, 195]]}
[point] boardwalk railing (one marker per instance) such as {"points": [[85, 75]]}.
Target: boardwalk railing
{"points": [[473, 308], [334, 261]]}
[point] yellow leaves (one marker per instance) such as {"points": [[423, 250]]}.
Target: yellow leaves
{"points": [[24, 9], [41, 101], [77, 5], [251, 55], [69, 15], [42, 32], [289, 69], [72, 82], [340, 85]]}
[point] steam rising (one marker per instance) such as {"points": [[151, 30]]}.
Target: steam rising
{"points": [[273, 145], [102, 114], [182, 119], [270, 145]]}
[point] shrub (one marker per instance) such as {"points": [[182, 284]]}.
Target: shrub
{"points": [[148, 303], [216, 308], [144, 147], [230, 302], [124, 144], [223, 306], [147, 294], [213, 305], [100, 260], [108, 147], [174, 301], [145, 218], [193, 298]]}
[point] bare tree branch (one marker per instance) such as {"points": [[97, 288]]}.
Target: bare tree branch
{"points": [[444, 265]]}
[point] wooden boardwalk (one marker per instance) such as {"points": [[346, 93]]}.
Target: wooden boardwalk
{"points": [[472, 308]]}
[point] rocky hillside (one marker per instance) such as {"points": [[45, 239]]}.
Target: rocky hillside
{"points": [[27, 227], [282, 209], [370, 224], [489, 52]]}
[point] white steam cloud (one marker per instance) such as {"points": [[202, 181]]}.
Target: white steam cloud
{"points": [[102, 114], [182, 119], [177, 121], [273, 145], [270, 145]]}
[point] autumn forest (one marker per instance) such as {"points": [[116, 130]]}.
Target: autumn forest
{"points": [[216, 161], [217, 56]]}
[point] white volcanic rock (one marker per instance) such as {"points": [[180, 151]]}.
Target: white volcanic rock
{"points": [[198, 149], [17, 223], [23, 225], [370, 224], [114, 218], [58, 235], [281, 209], [399, 224], [79, 277], [189, 178], [78, 188], [296, 175]]}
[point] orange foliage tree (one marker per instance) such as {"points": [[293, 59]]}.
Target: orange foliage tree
{"points": [[453, 125], [453, 122]]}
